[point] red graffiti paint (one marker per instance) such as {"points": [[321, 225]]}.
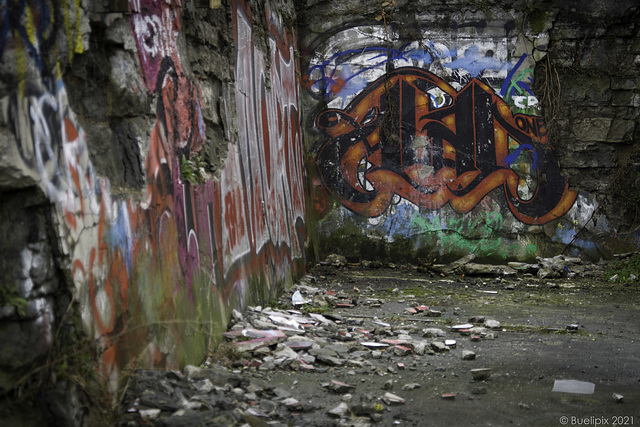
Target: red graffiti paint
{"points": [[155, 26], [271, 153], [137, 264]]}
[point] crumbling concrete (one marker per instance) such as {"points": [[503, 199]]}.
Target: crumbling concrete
{"points": [[494, 358]]}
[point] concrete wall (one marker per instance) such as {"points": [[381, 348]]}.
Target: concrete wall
{"points": [[153, 169], [426, 125], [151, 176]]}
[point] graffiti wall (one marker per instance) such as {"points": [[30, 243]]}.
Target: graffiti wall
{"points": [[154, 277], [434, 136]]}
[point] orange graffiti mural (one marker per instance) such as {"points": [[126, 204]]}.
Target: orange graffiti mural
{"points": [[411, 134]]}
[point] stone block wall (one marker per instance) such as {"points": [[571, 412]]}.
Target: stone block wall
{"points": [[153, 165], [438, 129], [151, 180], [593, 67]]}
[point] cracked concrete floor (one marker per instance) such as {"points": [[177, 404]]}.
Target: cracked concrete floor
{"points": [[532, 348], [582, 328]]}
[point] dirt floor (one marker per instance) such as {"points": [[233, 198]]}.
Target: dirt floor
{"points": [[582, 328], [532, 348]]}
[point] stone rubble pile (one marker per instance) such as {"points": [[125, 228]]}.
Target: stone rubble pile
{"points": [[549, 268], [269, 338], [346, 350], [272, 341]]}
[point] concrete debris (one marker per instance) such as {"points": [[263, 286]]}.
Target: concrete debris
{"points": [[316, 330], [291, 402], [236, 316], [261, 339], [411, 386], [433, 313], [268, 339], [481, 374], [433, 333], [522, 267], [574, 386], [190, 371], [478, 330], [340, 411], [400, 350], [492, 324], [468, 355], [473, 269], [205, 386], [456, 266], [439, 346], [336, 260], [340, 387], [392, 399], [558, 266], [149, 414]]}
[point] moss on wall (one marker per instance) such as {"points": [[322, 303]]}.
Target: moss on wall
{"points": [[538, 20]]}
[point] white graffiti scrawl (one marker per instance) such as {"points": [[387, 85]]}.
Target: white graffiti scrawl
{"points": [[269, 137]]}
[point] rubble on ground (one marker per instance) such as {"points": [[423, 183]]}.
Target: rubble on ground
{"points": [[313, 331]]}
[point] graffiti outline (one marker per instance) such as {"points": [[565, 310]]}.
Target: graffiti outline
{"points": [[473, 141]]}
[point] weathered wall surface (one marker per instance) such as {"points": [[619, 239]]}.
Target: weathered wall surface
{"points": [[592, 69], [152, 164], [151, 177], [443, 128]]}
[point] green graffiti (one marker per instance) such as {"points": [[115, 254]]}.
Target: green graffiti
{"points": [[477, 234]]}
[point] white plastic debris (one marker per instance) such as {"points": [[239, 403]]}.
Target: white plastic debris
{"points": [[574, 386], [373, 344], [462, 326], [383, 324], [296, 299]]}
